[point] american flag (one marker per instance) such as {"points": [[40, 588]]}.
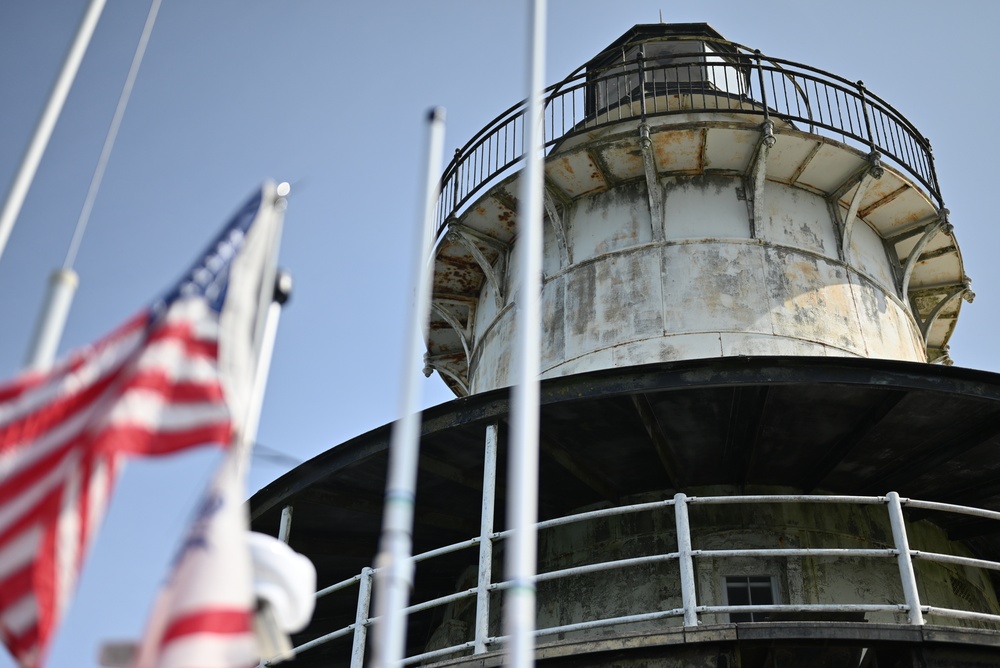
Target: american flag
{"points": [[174, 376], [204, 615]]}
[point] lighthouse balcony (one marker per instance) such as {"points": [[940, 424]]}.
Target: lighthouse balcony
{"points": [[740, 505], [693, 81], [753, 575]]}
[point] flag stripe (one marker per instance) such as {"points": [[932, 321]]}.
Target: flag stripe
{"points": [[206, 620], [152, 386]]}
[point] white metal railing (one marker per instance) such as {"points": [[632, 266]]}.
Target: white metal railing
{"points": [[685, 555]]}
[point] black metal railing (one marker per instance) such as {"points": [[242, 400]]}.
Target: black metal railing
{"points": [[746, 83]]}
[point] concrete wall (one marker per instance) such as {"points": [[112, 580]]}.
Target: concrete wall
{"points": [[713, 287]]}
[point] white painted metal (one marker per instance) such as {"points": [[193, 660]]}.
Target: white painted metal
{"points": [[485, 575], [285, 525], [361, 619], [712, 287], [689, 595], [47, 122], [906, 574], [691, 611], [52, 319], [394, 565], [709, 290], [522, 493]]}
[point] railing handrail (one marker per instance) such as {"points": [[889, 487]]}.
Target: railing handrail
{"points": [[680, 502], [497, 148]]}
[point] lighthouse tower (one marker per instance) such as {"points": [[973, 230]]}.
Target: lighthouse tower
{"points": [[754, 450]]}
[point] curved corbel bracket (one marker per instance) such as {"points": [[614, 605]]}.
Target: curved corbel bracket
{"points": [[940, 356], [963, 289], [559, 226], [864, 178], [756, 175], [431, 365], [652, 185], [942, 225], [453, 322], [460, 234]]}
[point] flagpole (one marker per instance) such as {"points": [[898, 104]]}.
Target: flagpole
{"points": [[47, 122], [270, 303], [394, 565], [64, 281], [522, 494]]}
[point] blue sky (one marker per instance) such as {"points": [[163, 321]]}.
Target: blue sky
{"points": [[331, 97]]}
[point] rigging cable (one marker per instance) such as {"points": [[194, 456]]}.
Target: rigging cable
{"points": [[109, 139]]}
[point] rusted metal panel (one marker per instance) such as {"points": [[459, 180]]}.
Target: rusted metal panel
{"points": [[829, 168], [677, 150], [729, 149], [575, 173], [790, 155], [899, 212]]}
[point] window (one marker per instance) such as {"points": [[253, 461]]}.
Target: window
{"points": [[749, 590]]}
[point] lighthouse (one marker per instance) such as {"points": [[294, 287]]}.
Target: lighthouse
{"points": [[754, 448]]}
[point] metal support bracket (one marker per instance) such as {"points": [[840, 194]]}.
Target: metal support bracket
{"points": [[466, 236], [756, 175], [652, 184], [434, 363], [941, 225], [863, 178], [963, 289], [940, 356], [559, 227], [463, 332]]}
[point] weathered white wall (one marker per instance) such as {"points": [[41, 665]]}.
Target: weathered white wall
{"points": [[799, 580], [713, 287]]}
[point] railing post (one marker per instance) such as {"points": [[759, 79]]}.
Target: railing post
{"points": [[763, 91], [864, 109], [905, 561], [361, 618], [689, 595], [485, 542], [285, 526], [641, 62]]}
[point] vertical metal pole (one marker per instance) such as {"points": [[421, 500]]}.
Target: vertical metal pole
{"points": [[52, 320], [689, 594], [763, 90], [282, 290], [47, 122], [361, 619], [641, 61], [485, 542], [864, 110], [905, 561], [285, 527], [522, 494], [394, 562]]}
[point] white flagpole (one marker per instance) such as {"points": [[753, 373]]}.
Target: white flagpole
{"points": [[522, 493], [394, 574], [64, 281], [47, 122], [276, 287]]}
